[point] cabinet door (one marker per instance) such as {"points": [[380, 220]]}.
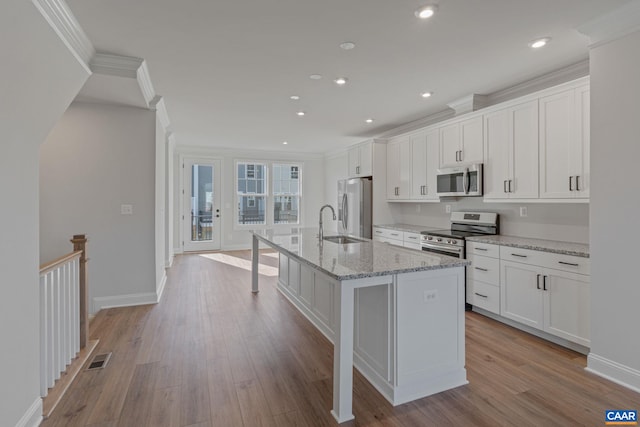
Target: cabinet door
{"points": [[471, 140], [405, 169], [524, 151], [520, 298], [354, 161], [557, 124], [366, 159], [433, 162], [580, 149], [393, 170], [567, 306], [449, 145], [418, 166], [497, 164]]}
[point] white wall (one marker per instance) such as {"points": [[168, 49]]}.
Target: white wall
{"points": [[336, 168], [615, 152], [97, 158], [40, 77], [313, 188], [553, 221]]}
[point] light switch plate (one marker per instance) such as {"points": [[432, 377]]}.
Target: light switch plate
{"points": [[447, 208], [523, 211], [126, 209]]}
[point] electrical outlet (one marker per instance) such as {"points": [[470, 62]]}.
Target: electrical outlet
{"points": [[431, 295], [126, 209], [523, 211], [447, 208]]}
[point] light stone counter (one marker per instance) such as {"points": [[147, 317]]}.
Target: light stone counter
{"points": [[406, 227], [353, 260], [554, 246]]}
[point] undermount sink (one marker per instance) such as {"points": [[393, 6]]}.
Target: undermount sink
{"points": [[343, 239]]}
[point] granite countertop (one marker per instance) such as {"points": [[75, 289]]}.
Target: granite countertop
{"points": [[554, 246], [405, 227], [355, 260]]}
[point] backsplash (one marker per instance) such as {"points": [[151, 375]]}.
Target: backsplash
{"points": [[553, 221]]}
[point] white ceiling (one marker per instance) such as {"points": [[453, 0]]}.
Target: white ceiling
{"points": [[226, 68]]}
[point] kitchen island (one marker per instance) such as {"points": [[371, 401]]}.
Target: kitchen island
{"points": [[395, 314]]}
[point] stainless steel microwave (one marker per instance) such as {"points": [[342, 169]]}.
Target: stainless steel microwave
{"points": [[460, 181]]}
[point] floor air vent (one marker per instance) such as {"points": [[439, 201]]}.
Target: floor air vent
{"points": [[99, 361]]}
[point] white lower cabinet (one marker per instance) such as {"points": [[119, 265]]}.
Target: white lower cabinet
{"points": [[554, 301], [483, 276]]}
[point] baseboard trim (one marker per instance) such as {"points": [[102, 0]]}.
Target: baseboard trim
{"points": [[33, 416], [614, 371], [100, 303], [169, 263], [160, 288]]}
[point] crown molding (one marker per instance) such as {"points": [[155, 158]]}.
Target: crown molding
{"points": [[468, 104], [613, 25], [144, 80], [417, 124], [554, 78], [67, 27], [245, 153]]}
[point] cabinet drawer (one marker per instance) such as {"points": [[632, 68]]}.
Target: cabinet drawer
{"points": [[486, 296], [484, 269], [388, 233], [570, 263], [475, 248], [410, 237], [525, 256], [387, 240]]}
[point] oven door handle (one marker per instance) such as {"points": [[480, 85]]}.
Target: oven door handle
{"points": [[456, 250]]}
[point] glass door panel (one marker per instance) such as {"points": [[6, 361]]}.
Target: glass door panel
{"points": [[202, 205]]}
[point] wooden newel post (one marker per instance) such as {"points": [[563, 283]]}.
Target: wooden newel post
{"points": [[79, 244]]}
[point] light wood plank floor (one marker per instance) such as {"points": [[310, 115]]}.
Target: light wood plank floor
{"points": [[213, 354]]}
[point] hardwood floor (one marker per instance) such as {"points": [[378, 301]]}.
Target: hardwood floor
{"points": [[213, 354]]}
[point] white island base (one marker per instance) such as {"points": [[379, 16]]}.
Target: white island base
{"points": [[406, 329]]}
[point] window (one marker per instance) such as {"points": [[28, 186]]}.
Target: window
{"points": [[286, 194], [251, 179], [261, 202]]}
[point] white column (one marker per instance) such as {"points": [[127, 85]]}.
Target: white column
{"points": [[343, 353], [254, 265]]}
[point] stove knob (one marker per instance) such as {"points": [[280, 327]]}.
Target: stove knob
{"points": [[429, 238], [454, 242], [439, 240]]}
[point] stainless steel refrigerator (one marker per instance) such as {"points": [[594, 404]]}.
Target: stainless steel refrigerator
{"points": [[354, 206]]}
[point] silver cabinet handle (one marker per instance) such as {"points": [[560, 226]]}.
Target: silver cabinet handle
{"points": [[357, 169], [481, 269], [544, 283], [457, 155], [504, 185], [571, 183], [577, 183], [460, 155], [510, 190], [538, 281], [519, 256], [482, 249], [394, 234], [569, 263], [480, 295], [412, 237]]}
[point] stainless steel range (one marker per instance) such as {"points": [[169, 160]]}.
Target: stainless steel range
{"points": [[452, 242], [463, 224]]}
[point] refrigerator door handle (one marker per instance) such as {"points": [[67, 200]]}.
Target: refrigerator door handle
{"points": [[345, 211]]}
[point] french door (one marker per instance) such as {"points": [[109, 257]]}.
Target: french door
{"points": [[201, 208]]}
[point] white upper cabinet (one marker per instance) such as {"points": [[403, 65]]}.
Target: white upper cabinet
{"points": [[462, 142], [398, 169], [361, 160], [511, 152], [424, 165], [564, 144]]}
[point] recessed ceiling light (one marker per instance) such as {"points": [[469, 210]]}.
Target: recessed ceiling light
{"points": [[284, 143], [426, 11], [294, 97], [300, 113], [347, 45], [537, 44], [369, 120], [315, 76], [426, 94], [341, 81]]}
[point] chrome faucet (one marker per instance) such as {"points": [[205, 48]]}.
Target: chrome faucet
{"points": [[321, 232]]}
